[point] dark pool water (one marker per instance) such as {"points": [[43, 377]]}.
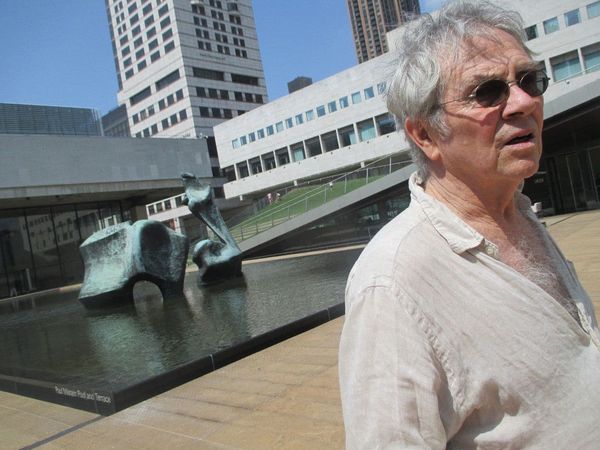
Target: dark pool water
{"points": [[57, 340]]}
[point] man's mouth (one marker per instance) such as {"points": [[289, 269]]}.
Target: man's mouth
{"points": [[520, 139]]}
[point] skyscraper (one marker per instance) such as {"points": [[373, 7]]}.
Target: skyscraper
{"points": [[185, 65], [372, 19]]}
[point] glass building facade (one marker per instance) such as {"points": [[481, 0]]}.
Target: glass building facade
{"points": [[37, 119], [39, 247]]}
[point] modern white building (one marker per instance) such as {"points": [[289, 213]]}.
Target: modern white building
{"points": [[332, 125], [185, 65], [342, 121]]}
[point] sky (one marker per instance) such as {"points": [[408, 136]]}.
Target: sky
{"points": [[57, 52]]}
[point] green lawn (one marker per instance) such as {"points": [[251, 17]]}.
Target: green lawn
{"points": [[295, 202]]}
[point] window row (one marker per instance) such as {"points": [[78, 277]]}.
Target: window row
{"points": [[219, 113], [223, 94], [320, 111], [342, 137], [165, 123], [163, 103], [570, 18], [570, 64]]}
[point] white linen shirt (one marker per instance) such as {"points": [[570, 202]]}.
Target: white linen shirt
{"points": [[445, 346]]}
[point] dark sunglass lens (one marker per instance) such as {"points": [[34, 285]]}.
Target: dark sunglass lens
{"points": [[534, 83], [491, 93]]}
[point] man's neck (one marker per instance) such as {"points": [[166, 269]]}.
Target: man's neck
{"points": [[491, 212]]}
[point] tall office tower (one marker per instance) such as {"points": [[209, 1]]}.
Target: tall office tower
{"points": [[372, 19], [184, 66]]}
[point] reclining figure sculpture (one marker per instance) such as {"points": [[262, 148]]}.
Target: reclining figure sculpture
{"points": [[117, 257], [216, 261]]}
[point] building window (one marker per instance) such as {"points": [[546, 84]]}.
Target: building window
{"points": [[154, 129], [381, 88], [139, 53], [344, 102], [298, 152], [565, 66], [167, 35], [283, 156], [591, 57], [531, 32], [330, 141], [227, 113], [165, 23], [252, 137], [551, 25], [313, 146], [255, 166], [347, 136], [143, 94], [216, 112], [151, 32], [369, 93], [356, 98], [299, 119], [238, 96], [204, 112], [141, 65], [182, 115], [243, 140], [385, 124], [279, 127], [260, 133], [332, 107], [289, 122], [155, 56], [572, 17], [593, 10], [242, 169], [310, 115], [153, 44], [320, 111], [165, 124], [208, 74], [167, 80], [268, 161], [366, 130], [170, 46], [248, 97], [244, 79], [235, 144], [270, 130], [163, 10]]}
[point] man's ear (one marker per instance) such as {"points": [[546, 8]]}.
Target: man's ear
{"points": [[416, 130]]}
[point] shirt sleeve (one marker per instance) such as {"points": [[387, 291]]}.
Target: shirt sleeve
{"points": [[393, 389]]}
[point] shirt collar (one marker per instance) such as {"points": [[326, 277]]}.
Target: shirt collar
{"points": [[459, 235]]}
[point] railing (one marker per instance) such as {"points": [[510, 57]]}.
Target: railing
{"points": [[304, 198]]}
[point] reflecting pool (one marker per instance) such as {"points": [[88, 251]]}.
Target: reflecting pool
{"points": [[54, 339]]}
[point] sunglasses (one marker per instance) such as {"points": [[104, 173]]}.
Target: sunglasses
{"points": [[493, 92]]}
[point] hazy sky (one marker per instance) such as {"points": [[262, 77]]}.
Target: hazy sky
{"points": [[57, 52]]}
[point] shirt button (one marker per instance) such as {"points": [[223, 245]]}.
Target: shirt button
{"points": [[489, 250]]}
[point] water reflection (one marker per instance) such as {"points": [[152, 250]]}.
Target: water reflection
{"points": [[56, 339]]}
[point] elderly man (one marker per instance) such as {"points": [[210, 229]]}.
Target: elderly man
{"points": [[465, 325]]}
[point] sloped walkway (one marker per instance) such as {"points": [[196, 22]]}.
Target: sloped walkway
{"points": [[286, 396]]}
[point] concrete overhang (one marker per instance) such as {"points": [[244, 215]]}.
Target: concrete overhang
{"points": [[39, 170]]}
